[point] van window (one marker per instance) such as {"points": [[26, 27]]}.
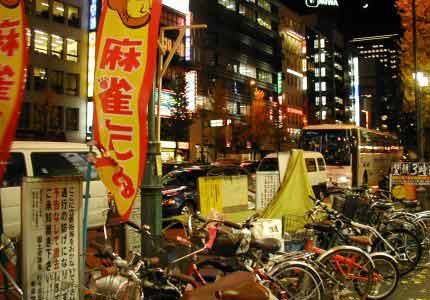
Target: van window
{"points": [[311, 165], [321, 164], [269, 164], [61, 164], [15, 170]]}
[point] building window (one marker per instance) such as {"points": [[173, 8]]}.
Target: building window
{"points": [[71, 84], [317, 72], [28, 33], [247, 12], [247, 70], [72, 119], [58, 12], [244, 109], [323, 86], [57, 46], [316, 58], [264, 21], [40, 78], [322, 43], [316, 44], [317, 101], [56, 118], [322, 57], [317, 86], [324, 100], [42, 8], [324, 115], [229, 4], [264, 4], [323, 72], [73, 16], [72, 50], [264, 76], [231, 107], [24, 116], [56, 81], [41, 41]]}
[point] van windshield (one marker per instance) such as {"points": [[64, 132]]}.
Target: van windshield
{"points": [[268, 164], [61, 164]]}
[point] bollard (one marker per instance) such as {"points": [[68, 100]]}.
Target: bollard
{"points": [[422, 197]]}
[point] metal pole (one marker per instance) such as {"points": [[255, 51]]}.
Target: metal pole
{"points": [[420, 145]]}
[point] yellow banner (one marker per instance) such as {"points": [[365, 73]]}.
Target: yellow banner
{"points": [[13, 64], [125, 64]]}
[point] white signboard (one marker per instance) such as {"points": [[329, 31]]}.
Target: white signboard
{"points": [[267, 186], [51, 237], [316, 3]]}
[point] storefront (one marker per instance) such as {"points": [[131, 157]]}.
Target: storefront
{"points": [[168, 151]]}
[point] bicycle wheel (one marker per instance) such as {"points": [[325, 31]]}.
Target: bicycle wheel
{"points": [[296, 281], [348, 272], [407, 246], [385, 277]]}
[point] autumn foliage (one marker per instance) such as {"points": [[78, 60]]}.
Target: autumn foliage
{"points": [[404, 8]]}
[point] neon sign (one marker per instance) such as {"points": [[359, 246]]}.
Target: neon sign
{"points": [[316, 3], [93, 15]]}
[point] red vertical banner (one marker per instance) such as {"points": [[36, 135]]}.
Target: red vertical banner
{"points": [[127, 41], [13, 65]]}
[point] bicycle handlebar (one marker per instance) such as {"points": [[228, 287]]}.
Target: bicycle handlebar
{"points": [[225, 222]]}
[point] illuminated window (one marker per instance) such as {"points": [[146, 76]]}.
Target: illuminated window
{"points": [[323, 72], [42, 8], [71, 84], [41, 41], [229, 4], [317, 72], [244, 109], [72, 50], [56, 81], [316, 58], [322, 57], [40, 78], [317, 86], [247, 70], [317, 101], [57, 46], [323, 86], [264, 21], [247, 12], [323, 115], [324, 100], [316, 44], [264, 76], [28, 32], [322, 43], [73, 16], [265, 5], [58, 12]]}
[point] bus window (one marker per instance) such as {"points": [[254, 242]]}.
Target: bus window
{"points": [[269, 164], [311, 165], [15, 171], [321, 164]]}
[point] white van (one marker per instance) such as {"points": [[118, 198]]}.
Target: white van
{"points": [[39, 159], [315, 164]]}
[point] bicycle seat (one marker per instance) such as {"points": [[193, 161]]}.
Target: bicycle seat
{"points": [[361, 239], [235, 286], [270, 245], [383, 205], [323, 227]]}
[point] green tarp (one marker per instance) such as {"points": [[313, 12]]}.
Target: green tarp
{"points": [[292, 200]]}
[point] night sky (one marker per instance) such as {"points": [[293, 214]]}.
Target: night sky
{"points": [[379, 18]]}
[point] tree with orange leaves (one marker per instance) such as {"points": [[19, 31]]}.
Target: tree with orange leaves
{"points": [[260, 126]]}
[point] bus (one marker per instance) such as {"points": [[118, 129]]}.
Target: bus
{"points": [[354, 156]]}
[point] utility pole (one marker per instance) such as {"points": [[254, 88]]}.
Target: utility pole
{"points": [[418, 100], [150, 205]]}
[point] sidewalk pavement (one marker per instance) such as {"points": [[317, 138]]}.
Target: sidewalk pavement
{"points": [[414, 286]]}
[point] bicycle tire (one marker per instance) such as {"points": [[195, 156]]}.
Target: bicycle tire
{"points": [[317, 290], [396, 235], [343, 285], [385, 266]]}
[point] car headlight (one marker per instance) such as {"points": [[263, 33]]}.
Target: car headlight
{"points": [[342, 179], [169, 202]]}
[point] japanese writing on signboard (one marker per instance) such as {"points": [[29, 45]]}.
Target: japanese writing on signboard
{"points": [[126, 51], [51, 209], [410, 173], [267, 185], [13, 61]]}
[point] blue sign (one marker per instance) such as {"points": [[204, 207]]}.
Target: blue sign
{"points": [[93, 15]]}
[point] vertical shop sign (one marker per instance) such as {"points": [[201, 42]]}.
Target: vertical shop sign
{"points": [[126, 49], [51, 237], [13, 64]]}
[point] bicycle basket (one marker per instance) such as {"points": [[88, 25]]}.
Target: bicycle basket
{"points": [[230, 242]]}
